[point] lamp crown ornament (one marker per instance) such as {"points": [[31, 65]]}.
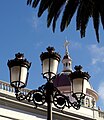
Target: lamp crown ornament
{"points": [[19, 60], [78, 73], [50, 49], [78, 68], [50, 54], [19, 55]]}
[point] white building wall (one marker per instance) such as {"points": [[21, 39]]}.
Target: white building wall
{"points": [[7, 113], [11, 109]]}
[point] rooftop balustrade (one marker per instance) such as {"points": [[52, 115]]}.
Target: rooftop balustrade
{"points": [[6, 87]]}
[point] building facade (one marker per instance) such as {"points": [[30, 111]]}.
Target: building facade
{"points": [[11, 109]]}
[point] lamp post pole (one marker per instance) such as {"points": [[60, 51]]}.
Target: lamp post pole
{"points": [[49, 92], [49, 109]]}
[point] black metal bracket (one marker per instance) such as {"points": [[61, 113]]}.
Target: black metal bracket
{"points": [[41, 96]]}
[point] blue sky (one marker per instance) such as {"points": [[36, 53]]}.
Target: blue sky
{"points": [[21, 31]]}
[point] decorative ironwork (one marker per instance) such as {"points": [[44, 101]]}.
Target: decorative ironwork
{"points": [[41, 96]]}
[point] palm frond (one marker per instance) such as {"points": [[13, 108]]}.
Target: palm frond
{"points": [[83, 14], [35, 3], [96, 16], [29, 2], [55, 20], [70, 8], [43, 6], [54, 10], [101, 11], [51, 13], [85, 9], [78, 17], [102, 18]]}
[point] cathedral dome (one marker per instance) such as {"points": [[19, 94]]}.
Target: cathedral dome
{"points": [[62, 80]]}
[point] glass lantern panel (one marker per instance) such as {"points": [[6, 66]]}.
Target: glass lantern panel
{"points": [[23, 77], [15, 71], [53, 67], [78, 85], [45, 67], [85, 83]]}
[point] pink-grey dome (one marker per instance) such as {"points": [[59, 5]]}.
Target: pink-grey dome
{"points": [[62, 80]]}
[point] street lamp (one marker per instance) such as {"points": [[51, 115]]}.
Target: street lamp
{"points": [[78, 80], [50, 61], [18, 71], [47, 93]]}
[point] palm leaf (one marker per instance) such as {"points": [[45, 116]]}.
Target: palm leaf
{"points": [[78, 17], [43, 6], [70, 8], [96, 16], [101, 10], [83, 15], [86, 9], [55, 20], [35, 3], [102, 18], [50, 16], [54, 10], [29, 2]]}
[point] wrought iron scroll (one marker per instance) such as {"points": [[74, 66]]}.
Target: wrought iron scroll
{"points": [[39, 97]]}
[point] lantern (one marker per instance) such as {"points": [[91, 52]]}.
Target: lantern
{"points": [[18, 71], [79, 79], [50, 61]]}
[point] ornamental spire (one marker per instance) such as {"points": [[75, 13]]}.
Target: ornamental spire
{"points": [[66, 44], [67, 62]]}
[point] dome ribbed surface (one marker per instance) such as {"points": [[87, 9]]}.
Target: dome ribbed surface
{"points": [[61, 80]]}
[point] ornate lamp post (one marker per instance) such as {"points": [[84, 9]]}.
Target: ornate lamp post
{"points": [[47, 93]]}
